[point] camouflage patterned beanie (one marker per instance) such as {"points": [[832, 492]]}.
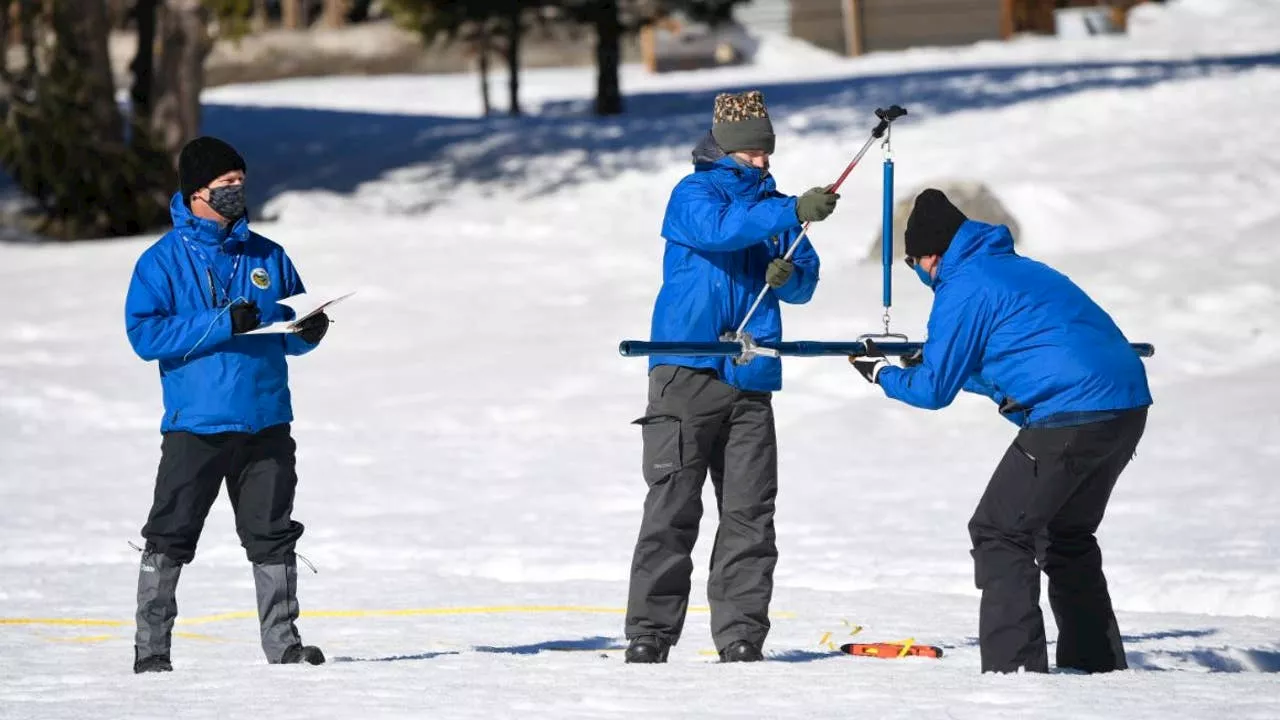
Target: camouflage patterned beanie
{"points": [[741, 122]]}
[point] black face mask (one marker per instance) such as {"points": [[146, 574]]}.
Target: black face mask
{"points": [[228, 201]]}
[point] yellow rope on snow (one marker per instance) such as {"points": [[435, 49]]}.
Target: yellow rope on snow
{"points": [[401, 612]]}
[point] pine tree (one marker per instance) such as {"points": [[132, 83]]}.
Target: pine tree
{"points": [[92, 169], [62, 140]]}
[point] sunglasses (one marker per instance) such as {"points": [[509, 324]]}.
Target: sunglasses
{"points": [[911, 261]]}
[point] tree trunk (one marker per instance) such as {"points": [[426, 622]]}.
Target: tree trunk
{"points": [[10, 33], [291, 14], [483, 45], [28, 24], [259, 20], [118, 14], [83, 27], [184, 44], [514, 31], [143, 66], [359, 11], [335, 13], [608, 57]]}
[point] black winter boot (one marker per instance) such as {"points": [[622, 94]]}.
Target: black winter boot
{"points": [[741, 651], [299, 654], [648, 649], [151, 663]]}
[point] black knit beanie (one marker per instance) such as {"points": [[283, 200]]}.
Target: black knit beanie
{"points": [[741, 122], [204, 160], [934, 221]]}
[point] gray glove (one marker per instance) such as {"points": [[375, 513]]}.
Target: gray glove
{"points": [[779, 272], [816, 204]]}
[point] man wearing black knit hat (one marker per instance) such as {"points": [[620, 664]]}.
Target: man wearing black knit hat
{"points": [[194, 296], [1055, 363]]}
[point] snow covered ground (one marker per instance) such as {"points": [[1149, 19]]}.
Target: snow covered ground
{"points": [[470, 481]]}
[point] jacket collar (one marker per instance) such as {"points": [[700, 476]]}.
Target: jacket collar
{"points": [[207, 232], [708, 157]]}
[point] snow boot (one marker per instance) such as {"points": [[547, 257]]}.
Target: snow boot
{"points": [[741, 651], [648, 649], [277, 587], [151, 663], [157, 609], [299, 654]]}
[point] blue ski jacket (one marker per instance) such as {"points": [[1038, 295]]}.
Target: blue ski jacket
{"points": [[725, 222], [1022, 334], [178, 312]]}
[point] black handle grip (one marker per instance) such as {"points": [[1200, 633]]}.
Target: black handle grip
{"points": [[892, 113], [887, 115]]}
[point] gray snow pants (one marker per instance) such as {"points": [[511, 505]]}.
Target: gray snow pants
{"points": [[696, 423]]}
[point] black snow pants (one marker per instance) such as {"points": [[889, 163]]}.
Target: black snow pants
{"points": [[260, 474], [1040, 511]]}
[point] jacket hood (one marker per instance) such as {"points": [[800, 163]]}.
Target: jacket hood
{"points": [[974, 239], [707, 152]]}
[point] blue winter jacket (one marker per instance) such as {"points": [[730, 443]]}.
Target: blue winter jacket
{"points": [[1020, 333], [177, 312], [724, 224]]}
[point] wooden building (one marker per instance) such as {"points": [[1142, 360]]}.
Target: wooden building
{"points": [[854, 27]]}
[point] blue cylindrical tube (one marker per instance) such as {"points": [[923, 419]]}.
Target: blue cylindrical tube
{"points": [[886, 242], [800, 348]]}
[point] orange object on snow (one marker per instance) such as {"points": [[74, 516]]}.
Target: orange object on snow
{"points": [[891, 650]]}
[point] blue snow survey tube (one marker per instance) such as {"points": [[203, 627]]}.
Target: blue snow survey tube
{"points": [[798, 348]]}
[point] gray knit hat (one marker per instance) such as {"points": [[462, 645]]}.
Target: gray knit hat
{"points": [[741, 122]]}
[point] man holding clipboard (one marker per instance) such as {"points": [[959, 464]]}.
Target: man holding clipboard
{"points": [[195, 296]]}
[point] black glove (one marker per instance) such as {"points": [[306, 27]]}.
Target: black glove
{"points": [[871, 363], [912, 360], [244, 317], [313, 328], [779, 272], [816, 204]]}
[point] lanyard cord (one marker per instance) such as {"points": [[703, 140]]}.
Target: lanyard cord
{"points": [[209, 271]]}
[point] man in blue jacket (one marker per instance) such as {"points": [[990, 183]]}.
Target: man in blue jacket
{"points": [[1024, 335], [727, 229], [193, 296]]}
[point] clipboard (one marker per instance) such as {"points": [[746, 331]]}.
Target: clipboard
{"points": [[304, 306]]}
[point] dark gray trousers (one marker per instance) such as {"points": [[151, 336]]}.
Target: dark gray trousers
{"points": [[695, 424], [1040, 512]]}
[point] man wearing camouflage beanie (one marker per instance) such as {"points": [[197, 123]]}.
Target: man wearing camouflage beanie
{"points": [[727, 229]]}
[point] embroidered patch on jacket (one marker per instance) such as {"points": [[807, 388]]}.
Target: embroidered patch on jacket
{"points": [[260, 278]]}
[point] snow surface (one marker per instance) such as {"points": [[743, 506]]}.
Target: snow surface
{"points": [[469, 480]]}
